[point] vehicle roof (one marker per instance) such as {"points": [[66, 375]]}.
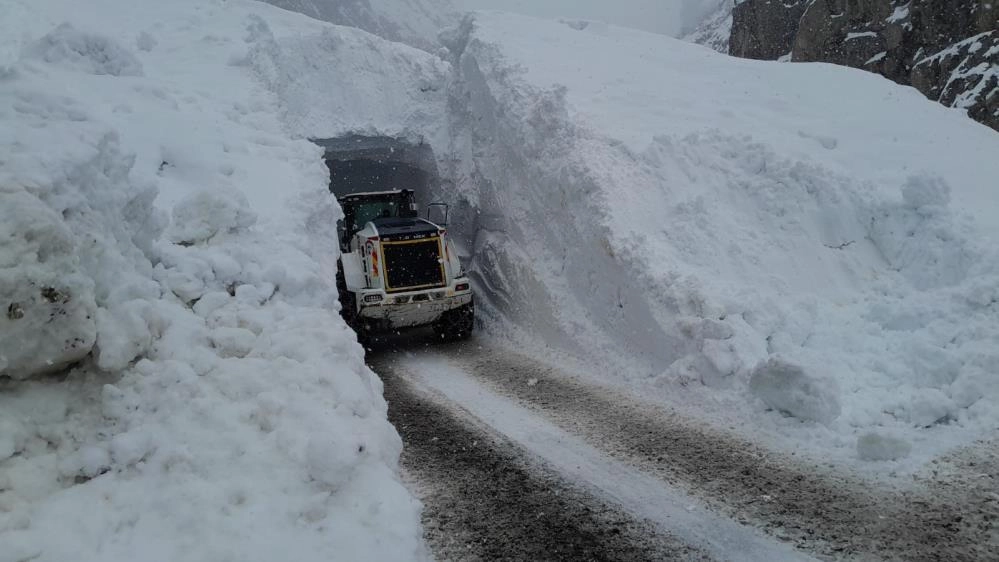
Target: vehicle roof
{"points": [[394, 226], [371, 194]]}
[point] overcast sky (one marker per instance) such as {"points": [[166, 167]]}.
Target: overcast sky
{"points": [[661, 16]]}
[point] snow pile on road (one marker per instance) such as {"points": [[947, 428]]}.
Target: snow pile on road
{"points": [[781, 243], [175, 382]]}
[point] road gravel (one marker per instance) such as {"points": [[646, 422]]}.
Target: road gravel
{"points": [[488, 498]]}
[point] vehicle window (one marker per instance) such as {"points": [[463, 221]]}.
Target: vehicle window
{"points": [[367, 212]]}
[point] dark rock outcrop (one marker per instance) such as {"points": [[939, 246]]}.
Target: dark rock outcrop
{"points": [[765, 30], [948, 50]]}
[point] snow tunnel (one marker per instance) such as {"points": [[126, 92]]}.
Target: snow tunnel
{"points": [[362, 163]]}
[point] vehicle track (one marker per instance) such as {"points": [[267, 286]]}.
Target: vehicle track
{"points": [[832, 515], [485, 500]]}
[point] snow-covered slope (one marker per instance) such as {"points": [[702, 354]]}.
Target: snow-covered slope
{"points": [[414, 22], [743, 236], [715, 28], [165, 253], [675, 18], [341, 82]]}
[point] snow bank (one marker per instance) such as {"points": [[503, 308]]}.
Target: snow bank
{"points": [[175, 381], [382, 89], [739, 237], [414, 22], [86, 52]]}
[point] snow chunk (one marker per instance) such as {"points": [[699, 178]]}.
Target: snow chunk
{"points": [[202, 215], [131, 447], [970, 387], [86, 52], [876, 447], [123, 334], [89, 461], [48, 316], [920, 237], [925, 190], [786, 387], [209, 302], [927, 407], [233, 342]]}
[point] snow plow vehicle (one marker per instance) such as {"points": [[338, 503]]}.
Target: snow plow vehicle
{"points": [[397, 270]]}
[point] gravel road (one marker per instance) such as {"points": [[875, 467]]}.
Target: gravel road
{"points": [[486, 499]]}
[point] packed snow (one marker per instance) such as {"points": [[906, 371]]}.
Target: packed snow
{"points": [[175, 381], [674, 18], [805, 252], [414, 22]]}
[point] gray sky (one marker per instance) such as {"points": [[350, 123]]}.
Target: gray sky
{"points": [[661, 16]]}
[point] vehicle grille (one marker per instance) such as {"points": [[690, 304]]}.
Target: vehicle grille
{"points": [[413, 264]]}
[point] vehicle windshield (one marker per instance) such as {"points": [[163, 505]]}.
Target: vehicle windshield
{"points": [[369, 211]]}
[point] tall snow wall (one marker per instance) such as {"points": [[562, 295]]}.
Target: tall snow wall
{"points": [[532, 216], [774, 246], [175, 381]]}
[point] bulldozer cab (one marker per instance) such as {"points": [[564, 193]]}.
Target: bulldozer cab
{"points": [[361, 208]]}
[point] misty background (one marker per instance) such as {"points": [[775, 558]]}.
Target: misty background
{"points": [[670, 17]]}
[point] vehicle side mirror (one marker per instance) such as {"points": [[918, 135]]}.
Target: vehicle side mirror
{"points": [[437, 213]]}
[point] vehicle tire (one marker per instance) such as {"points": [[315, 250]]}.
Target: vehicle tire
{"points": [[457, 324]]}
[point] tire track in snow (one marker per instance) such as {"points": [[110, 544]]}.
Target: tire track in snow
{"points": [[485, 501], [830, 514]]}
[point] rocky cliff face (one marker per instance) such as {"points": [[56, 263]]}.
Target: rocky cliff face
{"points": [[949, 50], [765, 30]]}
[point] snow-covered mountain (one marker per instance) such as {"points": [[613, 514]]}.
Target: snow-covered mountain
{"points": [[947, 50], [715, 28]]}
